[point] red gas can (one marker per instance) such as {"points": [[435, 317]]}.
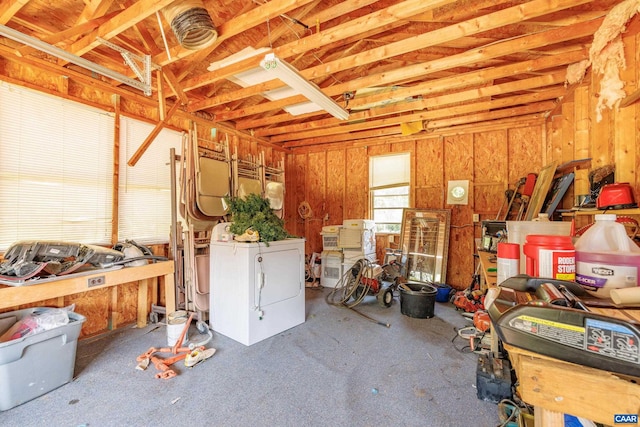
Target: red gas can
{"points": [[550, 256]]}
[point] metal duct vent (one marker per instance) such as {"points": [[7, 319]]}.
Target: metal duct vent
{"points": [[191, 24]]}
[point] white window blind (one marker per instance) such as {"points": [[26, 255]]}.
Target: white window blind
{"points": [[389, 181], [57, 169], [145, 189], [390, 169]]}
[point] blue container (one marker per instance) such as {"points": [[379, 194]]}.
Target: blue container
{"points": [[442, 294]]}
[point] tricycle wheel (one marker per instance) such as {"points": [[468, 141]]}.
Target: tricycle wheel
{"points": [[385, 297]]}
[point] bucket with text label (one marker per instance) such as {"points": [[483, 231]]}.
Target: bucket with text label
{"points": [[550, 256]]}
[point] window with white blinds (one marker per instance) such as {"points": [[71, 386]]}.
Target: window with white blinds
{"points": [[389, 186], [144, 204], [56, 169]]}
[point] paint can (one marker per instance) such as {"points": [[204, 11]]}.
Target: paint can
{"points": [[552, 257], [508, 261], [176, 322]]}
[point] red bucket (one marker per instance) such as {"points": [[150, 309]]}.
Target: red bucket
{"points": [[553, 257]]}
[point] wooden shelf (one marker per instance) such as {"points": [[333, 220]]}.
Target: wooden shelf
{"points": [[634, 211]]}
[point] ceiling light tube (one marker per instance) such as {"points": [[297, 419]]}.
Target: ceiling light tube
{"points": [[74, 59], [292, 78]]}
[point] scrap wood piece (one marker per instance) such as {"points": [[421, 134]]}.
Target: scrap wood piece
{"points": [[154, 133]]}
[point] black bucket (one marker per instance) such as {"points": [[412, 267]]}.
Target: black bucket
{"points": [[418, 302]]}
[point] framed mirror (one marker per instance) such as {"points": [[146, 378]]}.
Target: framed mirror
{"points": [[425, 244]]}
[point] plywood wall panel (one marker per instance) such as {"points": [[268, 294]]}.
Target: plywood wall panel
{"points": [[488, 198], [490, 157], [429, 163], [404, 147], [316, 180], [490, 170], [601, 131], [458, 157], [335, 186], [525, 152], [625, 121], [95, 306], [300, 191], [430, 197], [460, 259], [290, 200], [356, 183], [581, 139], [379, 150]]}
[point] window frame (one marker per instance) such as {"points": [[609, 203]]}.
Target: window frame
{"points": [[390, 183]]}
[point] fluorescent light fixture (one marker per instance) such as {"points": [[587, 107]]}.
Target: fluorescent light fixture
{"points": [[292, 78], [38, 44]]}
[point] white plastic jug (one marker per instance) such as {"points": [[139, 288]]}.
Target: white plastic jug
{"points": [[606, 235], [606, 258]]}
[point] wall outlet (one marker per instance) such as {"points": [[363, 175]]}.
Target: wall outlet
{"points": [[476, 217], [95, 281]]}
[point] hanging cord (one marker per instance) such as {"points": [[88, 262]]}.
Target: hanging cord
{"points": [[350, 285]]}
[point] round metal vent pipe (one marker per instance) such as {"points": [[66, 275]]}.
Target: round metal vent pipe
{"points": [[191, 24]]}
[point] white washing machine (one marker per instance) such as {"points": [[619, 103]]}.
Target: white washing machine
{"points": [[256, 291]]}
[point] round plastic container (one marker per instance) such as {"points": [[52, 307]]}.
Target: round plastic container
{"points": [[443, 292], [606, 258], [553, 257], [419, 302]]}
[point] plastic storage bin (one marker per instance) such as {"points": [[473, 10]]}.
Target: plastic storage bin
{"points": [[34, 365]]}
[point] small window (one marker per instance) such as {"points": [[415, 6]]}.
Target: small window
{"points": [[389, 186]]}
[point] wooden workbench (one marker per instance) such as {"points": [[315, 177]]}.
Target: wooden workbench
{"points": [[14, 296], [555, 387], [488, 274]]}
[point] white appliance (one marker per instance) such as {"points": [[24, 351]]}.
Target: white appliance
{"points": [[357, 240], [330, 235], [331, 268], [256, 291]]}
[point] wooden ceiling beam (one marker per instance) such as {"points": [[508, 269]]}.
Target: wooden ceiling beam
{"points": [[454, 82], [234, 26], [411, 72], [375, 21], [437, 102], [481, 24], [441, 114], [8, 9], [504, 109], [57, 37], [122, 21]]}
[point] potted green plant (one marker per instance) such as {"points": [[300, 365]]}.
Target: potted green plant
{"points": [[254, 213]]}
